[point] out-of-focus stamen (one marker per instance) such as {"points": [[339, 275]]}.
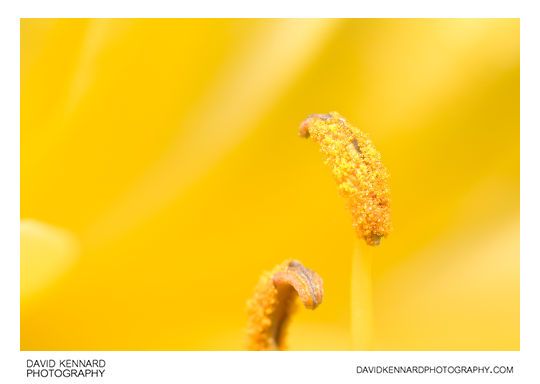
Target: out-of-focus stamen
{"points": [[270, 308]]}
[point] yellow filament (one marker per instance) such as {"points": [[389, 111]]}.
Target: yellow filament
{"points": [[362, 297]]}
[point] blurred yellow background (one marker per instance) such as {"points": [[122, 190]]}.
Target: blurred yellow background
{"points": [[161, 173]]}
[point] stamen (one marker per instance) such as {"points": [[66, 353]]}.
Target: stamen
{"points": [[270, 308], [357, 168]]}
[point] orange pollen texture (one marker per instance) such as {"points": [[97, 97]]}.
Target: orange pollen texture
{"points": [[358, 170], [270, 308]]}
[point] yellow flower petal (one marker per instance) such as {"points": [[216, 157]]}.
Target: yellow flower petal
{"points": [[47, 252]]}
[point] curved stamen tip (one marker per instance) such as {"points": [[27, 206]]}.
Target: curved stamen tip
{"points": [[306, 282], [304, 125], [271, 307]]}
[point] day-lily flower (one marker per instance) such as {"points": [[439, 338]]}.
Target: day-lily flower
{"points": [[168, 150]]}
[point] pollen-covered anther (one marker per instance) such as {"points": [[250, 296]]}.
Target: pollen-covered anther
{"points": [[272, 305], [357, 169]]}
